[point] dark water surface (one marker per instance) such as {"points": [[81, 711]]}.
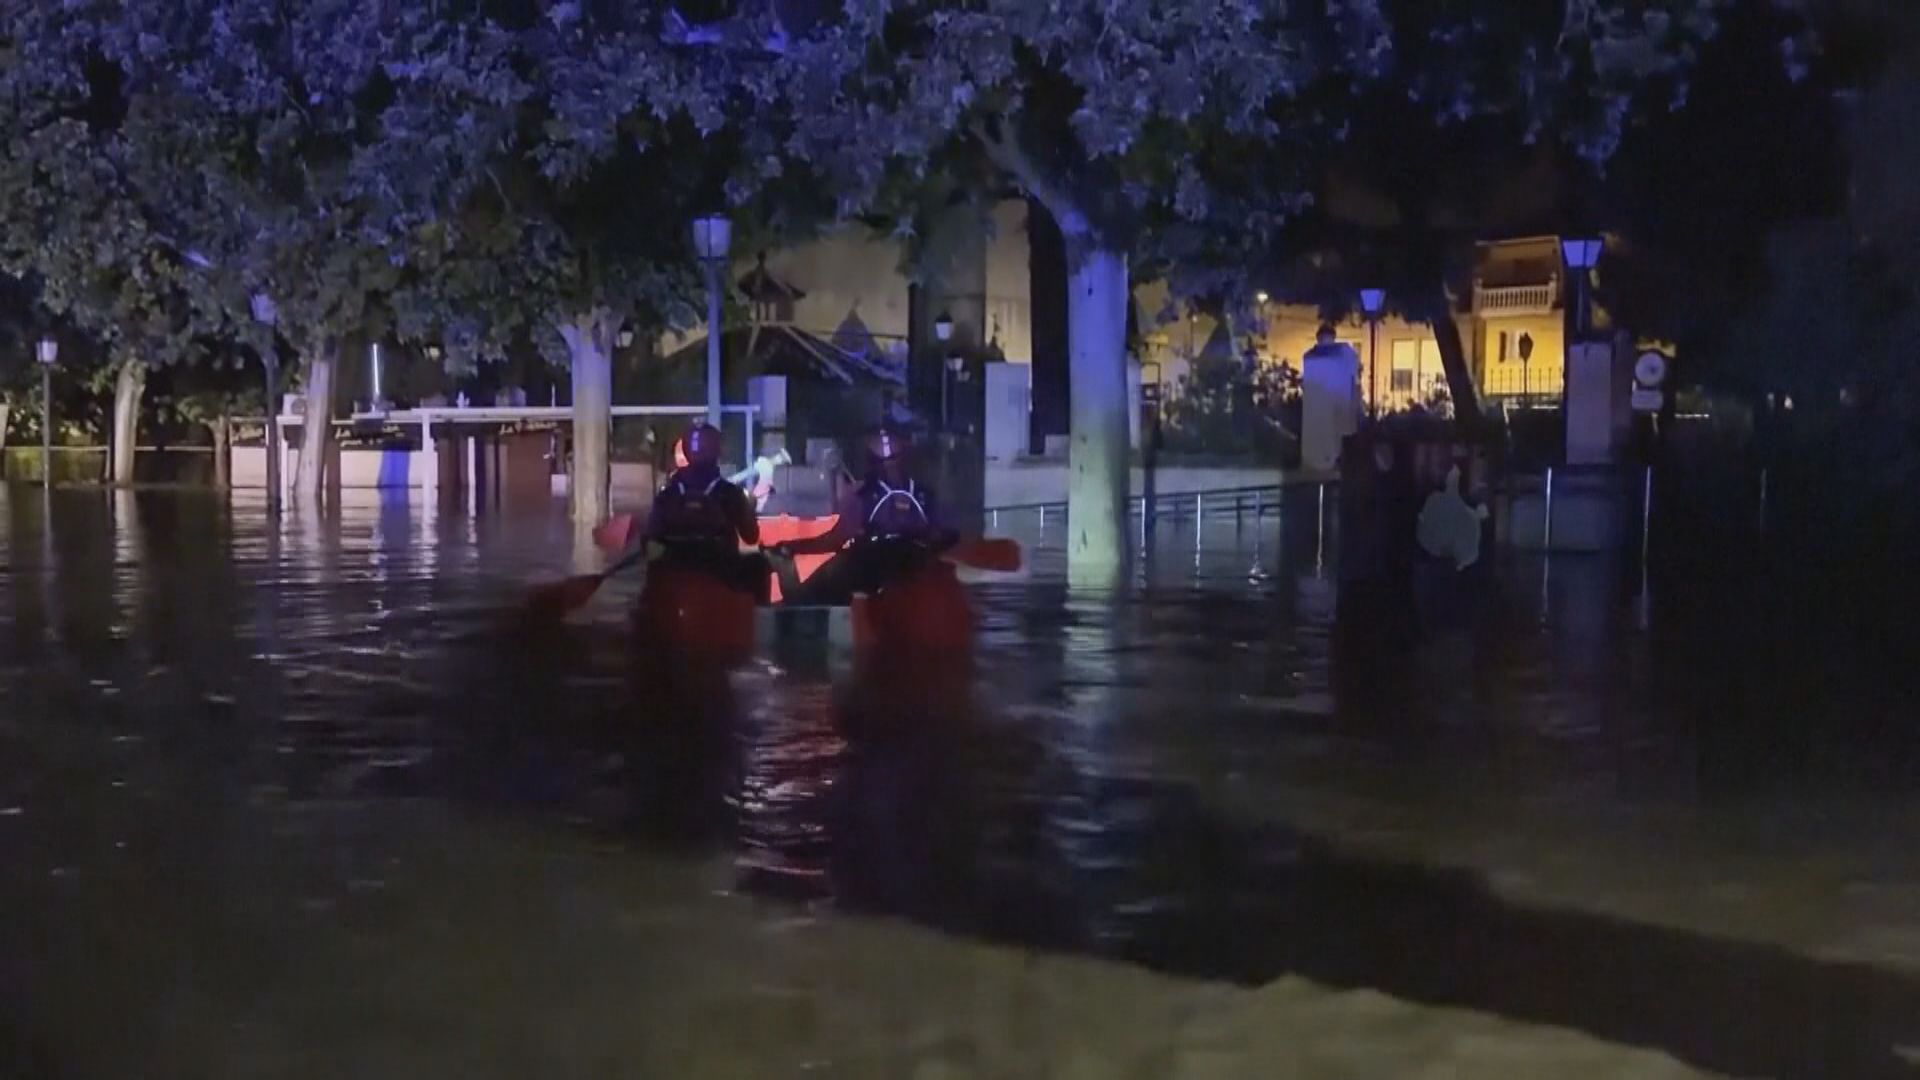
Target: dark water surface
{"points": [[192, 702]]}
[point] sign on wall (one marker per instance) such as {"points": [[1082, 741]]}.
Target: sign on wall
{"points": [[1649, 376]]}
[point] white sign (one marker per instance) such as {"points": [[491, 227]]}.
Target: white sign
{"points": [[1647, 400], [1650, 370]]}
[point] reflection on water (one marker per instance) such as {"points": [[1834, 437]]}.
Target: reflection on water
{"points": [[187, 689]]}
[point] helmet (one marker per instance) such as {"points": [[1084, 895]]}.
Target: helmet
{"points": [[701, 444], [887, 445]]}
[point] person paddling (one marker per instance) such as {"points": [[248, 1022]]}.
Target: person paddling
{"points": [[700, 518], [887, 527]]}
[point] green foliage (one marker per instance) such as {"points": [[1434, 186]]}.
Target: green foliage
{"points": [[1186, 135], [1224, 406], [479, 174], [596, 149]]}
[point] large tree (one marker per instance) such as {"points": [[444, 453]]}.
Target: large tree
{"points": [[183, 169], [292, 99], [81, 218], [1133, 123], [567, 153]]}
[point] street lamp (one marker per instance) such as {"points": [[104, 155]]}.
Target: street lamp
{"points": [[1373, 302], [712, 236], [943, 333], [1582, 256], [47, 353]]}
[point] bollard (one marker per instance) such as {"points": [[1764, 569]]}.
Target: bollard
{"points": [[1646, 519], [1320, 532], [1547, 541], [995, 519]]}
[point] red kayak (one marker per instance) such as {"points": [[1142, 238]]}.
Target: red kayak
{"points": [[693, 613], [928, 610]]}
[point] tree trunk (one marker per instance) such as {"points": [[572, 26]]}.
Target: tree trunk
{"points": [[316, 427], [6, 414], [589, 339], [222, 452], [1437, 312], [1098, 459], [271, 365], [129, 386]]}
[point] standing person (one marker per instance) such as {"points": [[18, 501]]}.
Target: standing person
{"points": [[887, 527], [700, 518], [1329, 400]]}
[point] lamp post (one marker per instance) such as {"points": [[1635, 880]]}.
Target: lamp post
{"points": [[1372, 303], [47, 353], [1526, 368], [1582, 256], [943, 333], [712, 236], [377, 397]]}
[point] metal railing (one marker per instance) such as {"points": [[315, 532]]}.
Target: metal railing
{"points": [[1239, 502], [451, 416], [1538, 380]]}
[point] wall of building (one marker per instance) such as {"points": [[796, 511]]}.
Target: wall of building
{"points": [[1511, 377], [1010, 284], [855, 274]]}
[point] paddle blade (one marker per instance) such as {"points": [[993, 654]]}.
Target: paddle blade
{"points": [[996, 555], [561, 598], [615, 535]]}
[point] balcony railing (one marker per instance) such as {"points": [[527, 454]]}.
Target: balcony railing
{"points": [[1516, 299]]}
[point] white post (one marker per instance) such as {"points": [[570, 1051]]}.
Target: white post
{"points": [[430, 472], [713, 345], [1097, 461]]}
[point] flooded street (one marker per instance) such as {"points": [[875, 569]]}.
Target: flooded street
{"points": [[308, 800]]}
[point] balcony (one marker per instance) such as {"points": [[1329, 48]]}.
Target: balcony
{"points": [[1539, 299]]}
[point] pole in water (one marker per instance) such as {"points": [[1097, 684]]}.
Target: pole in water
{"points": [[46, 426], [1646, 517], [1547, 527], [1320, 533]]}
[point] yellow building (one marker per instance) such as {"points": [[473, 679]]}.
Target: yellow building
{"points": [[1512, 326]]}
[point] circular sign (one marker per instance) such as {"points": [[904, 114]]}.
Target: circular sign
{"points": [[1650, 370]]}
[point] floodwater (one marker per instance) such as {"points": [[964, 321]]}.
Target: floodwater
{"points": [[309, 801]]}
